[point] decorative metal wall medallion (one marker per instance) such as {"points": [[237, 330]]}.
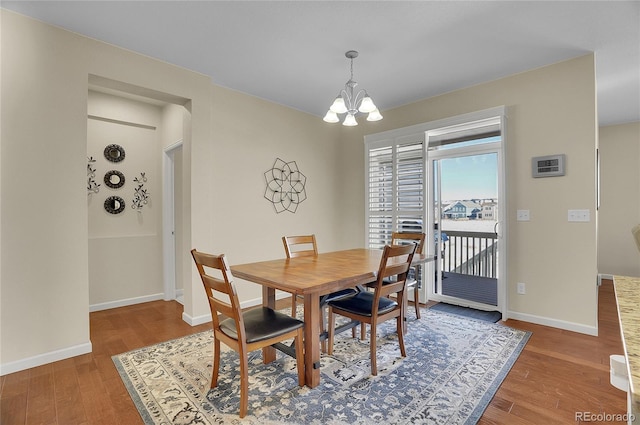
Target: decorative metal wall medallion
{"points": [[285, 186], [114, 204], [114, 179], [114, 153]]}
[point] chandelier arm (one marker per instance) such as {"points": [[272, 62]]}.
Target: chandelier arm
{"points": [[347, 95], [359, 96]]}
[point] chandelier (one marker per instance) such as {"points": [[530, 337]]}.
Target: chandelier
{"points": [[350, 103]]}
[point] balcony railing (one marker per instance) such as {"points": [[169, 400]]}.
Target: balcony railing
{"points": [[472, 253]]}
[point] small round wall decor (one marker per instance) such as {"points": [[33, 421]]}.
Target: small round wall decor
{"points": [[114, 205], [285, 186], [114, 179], [114, 153]]}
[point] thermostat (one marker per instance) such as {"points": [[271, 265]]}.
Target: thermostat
{"points": [[548, 166]]}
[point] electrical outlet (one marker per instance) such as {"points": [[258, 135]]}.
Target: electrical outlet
{"points": [[522, 215], [521, 288]]}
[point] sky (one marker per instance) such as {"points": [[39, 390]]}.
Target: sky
{"points": [[470, 177]]}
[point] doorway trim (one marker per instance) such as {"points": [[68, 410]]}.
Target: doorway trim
{"points": [[168, 221], [501, 226]]}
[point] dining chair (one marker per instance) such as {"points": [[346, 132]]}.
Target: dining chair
{"points": [[242, 331], [400, 238], [306, 246], [375, 307]]}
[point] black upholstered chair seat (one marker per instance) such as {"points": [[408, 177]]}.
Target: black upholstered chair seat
{"points": [[362, 304], [262, 323], [409, 284], [337, 295]]}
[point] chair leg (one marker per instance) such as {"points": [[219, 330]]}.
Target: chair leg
{"points": [[244, 384], [332, 320], [216, 363], [300, 357], [294, 305], [372, 345], [401, 336], [323, 320], [363, 331], [416, 300], [404, 307]]}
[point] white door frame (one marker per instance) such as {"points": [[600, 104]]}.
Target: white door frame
{"points": [[168, 221], [501, 227]]}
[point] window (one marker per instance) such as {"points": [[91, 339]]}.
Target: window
{"points": [[395, 193]]}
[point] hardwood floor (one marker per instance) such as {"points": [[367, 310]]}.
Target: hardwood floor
{"points": [[558, 373]]}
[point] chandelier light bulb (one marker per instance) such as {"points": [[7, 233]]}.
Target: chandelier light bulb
{"points": [[331, 117], [350, 120], [367, 105], [338, 106], [374, 115]]}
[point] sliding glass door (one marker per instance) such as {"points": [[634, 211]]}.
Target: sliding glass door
{"points": [[465, 222], [464, 166]]}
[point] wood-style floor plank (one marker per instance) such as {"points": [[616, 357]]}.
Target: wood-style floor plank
{"points": [[558, 373], [41, 406]]}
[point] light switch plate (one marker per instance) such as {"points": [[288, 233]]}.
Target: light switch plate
{"points": [[522, 215], [579, 216]]}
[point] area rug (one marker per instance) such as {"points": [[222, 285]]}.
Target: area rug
{"points": [[489, 316], [454, 366]]}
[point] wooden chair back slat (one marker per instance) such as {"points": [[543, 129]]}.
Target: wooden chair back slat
{"points": [[300, 246], [400, 238], [222, 295], [395, 261]]}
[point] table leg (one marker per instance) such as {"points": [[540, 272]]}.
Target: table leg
{"points": [[312, 339], [268, 300]]}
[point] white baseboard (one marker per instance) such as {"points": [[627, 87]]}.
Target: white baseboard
{"points": [[125, 302], [554, 323], [41, 359], [198, 320], [604, 276], [65, 353]]}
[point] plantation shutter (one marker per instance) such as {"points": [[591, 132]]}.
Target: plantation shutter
{"points": [[395, 188]]}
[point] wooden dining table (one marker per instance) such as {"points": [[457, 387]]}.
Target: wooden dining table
{"points": [[312, 277]]}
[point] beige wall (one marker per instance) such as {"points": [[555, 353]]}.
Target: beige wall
{"points": [[229, 141], [619, 199], [125, 250], [550, 110], [249, 135], [44, 280]]}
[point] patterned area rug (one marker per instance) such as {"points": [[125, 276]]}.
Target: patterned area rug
{"points": [[489, 316], [454, 366]]}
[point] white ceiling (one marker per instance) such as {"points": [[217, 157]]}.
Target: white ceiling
{"points": [[292, 52]]}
